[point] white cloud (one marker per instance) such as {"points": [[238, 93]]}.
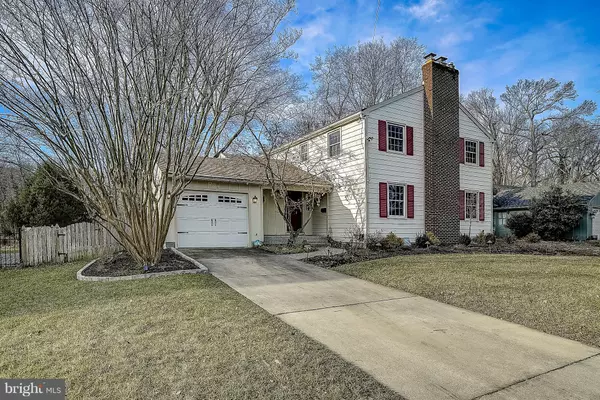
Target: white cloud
{"points": [[425, 10]]}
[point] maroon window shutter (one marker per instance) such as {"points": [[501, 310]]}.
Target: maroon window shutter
{"points": [[409, 141], [461, 150], [481, 154], [383, 199], [461, 204], [481, 206], [410, 194], [382, 135]]}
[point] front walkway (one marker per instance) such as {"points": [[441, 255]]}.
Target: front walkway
{"points": [[421, 348]]}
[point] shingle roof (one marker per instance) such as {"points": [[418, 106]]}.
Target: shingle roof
{"points": [[245, 169], [520, 197]]}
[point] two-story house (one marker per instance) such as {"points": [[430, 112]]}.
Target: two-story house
{"points": [[416, 162]]}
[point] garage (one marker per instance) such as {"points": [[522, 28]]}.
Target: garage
{"points": [[212, 219]]}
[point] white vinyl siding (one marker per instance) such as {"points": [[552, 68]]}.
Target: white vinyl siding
{"points": [[345, 206], [389, 166], [474, 178]]}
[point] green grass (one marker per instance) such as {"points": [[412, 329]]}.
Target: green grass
{"points": [[188, 337], [557, 295]]}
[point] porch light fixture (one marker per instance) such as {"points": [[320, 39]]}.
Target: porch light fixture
{"points": [[254, 200]]}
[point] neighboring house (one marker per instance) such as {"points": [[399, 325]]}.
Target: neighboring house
{"points": [[514, 200], [416, 162]]}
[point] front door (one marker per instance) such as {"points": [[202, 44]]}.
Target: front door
{"points": [[296, 215]]}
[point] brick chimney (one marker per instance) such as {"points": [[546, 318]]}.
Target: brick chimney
{"points": [[442, 175]]}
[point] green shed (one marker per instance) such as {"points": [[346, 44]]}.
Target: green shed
{"points": [[512, 200]]}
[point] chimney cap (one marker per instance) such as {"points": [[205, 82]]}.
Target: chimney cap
{"points": [[441, 59], [430, 56]]}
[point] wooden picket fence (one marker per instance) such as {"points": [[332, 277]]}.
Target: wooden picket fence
{"points": [[53, 244]]}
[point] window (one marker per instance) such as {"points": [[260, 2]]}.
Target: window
{"points": [[396, 200], [195, 197], [395, 135], [470, 152], [335, 147], [229, 199], [304, 152], [471, 205]]}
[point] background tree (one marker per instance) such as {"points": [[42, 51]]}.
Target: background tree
{"points": [[350, 78], [46, 200], [541, 106], [109, 91], [556, 214]]}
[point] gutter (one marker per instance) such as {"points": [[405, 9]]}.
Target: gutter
{"points": [[318, 132], [365, 129]]}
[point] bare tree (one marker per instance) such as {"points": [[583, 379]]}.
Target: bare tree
{"points": [[287, 172], [128, 97], [353, 77], [541, 104], [574, 151]]}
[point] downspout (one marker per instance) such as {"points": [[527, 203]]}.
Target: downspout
{"points": [[366, 140]]}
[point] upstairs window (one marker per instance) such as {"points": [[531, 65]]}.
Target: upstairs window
{"points": [[335, 144], [304, 152], [471, 205], [470, 152], [396, 200], [395, 135]]}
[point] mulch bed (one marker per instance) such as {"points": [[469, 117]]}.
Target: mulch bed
{"points": [[122, 264], [284, 249], [501, 247]]}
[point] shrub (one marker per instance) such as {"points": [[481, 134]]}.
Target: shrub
{"points": [[556, 214], [374, 240], [433, 239], [520, 224], [464, 239], [490, 238], [392, 242], [532, 237], [422, 240], [510, 239], [480, 238], [45, 200]]}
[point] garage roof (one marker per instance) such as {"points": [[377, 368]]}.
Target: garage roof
{"points": [[252, 170]]}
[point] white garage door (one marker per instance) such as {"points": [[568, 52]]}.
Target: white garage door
{"points": [[210, 219]]}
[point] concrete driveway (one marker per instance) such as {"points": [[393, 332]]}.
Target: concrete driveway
{"points": [[421, 348]]}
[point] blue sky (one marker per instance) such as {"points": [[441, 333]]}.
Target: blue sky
{"points": [[492, 43]]}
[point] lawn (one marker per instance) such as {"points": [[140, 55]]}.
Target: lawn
{"points": [[188, 337], [557, 295]]}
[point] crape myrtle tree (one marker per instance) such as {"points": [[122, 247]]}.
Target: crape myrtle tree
{"points": [[125, 96], [280, 165]]}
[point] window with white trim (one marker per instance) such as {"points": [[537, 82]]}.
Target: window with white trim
{"points": [[396, 200], [334, 140], [395, 134], [470, 152], [304, 152], [471, 205]]}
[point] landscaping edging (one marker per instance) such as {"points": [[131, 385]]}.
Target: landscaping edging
{"points": [[201, 269]]}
